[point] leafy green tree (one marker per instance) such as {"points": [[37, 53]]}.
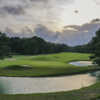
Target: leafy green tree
{"points": [[4, 47], [95, 45], [4, 51], [28, 46]]}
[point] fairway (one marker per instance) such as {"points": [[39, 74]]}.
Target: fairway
{"points": [[49, 65], [43, 65]]}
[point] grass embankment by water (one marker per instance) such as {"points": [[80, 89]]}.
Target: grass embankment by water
{"points": [[49, 65], [44, 65]]}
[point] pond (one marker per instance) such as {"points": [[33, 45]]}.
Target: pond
{"points": [[81, 63], [20, 85]]}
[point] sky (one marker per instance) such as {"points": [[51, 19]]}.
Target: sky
{"points": [[72, 22]]}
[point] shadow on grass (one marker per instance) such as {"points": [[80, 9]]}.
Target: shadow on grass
{"points": [[17, 67]]}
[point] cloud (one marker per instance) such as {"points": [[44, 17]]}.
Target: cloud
{"points": [[14, 10], [45, 33], [97, 2], [95, 20], [39, 1], [57, 1], [71, 34], [26, 18], [78, 35], [20, 13], [25, 32]]}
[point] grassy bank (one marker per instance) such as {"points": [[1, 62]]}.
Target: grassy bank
{"points": [[49, 65], [43, 65]]}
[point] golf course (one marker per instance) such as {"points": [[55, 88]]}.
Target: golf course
{"points": [[50, 65], [44, 65], [49, 50]]}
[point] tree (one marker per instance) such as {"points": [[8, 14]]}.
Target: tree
{"points": [[5, 51], [4, 48], [95, 45], [28, 46]]}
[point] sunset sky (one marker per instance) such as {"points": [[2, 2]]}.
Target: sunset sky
{"points": [[53, 20]]}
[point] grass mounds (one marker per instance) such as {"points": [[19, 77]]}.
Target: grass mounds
{"points": [[17, 67], [44, 65], [49, 65]]}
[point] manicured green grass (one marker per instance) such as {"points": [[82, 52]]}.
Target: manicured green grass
{"points": [[44, 65], [49, 65]]}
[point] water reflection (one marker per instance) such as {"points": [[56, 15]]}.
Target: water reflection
{"points": [[81, 63], [2, 87], [96, 74], [16, 85]]}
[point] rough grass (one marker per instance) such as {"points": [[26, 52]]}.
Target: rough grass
{"points": [[44, 65]]}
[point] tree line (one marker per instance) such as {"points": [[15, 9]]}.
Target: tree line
{"points": [[36, 45], [28, 46]]}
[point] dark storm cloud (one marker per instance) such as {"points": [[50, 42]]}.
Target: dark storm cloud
{"points": [[21, 17], [25, 32], [44, 32], [14, 10], [78, 35], [69, 1], [71, 35], [37, 11], [39, 0], [95, 20], [13, 7]]}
